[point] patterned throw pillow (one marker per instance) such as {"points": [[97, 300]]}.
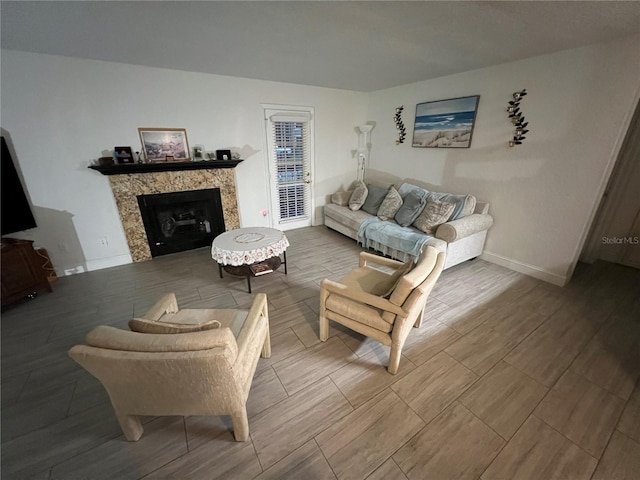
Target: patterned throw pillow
{"points": [[358, 196], [413, 205], [390, 205], [433, 215]]}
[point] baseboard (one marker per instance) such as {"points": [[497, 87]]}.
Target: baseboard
{"points": [[98, 264], [531, 270]]}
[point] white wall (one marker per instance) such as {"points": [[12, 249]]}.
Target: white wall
{"points": [[61, 113], [543, 193]]}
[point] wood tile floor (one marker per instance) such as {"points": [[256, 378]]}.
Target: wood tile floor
{"points": [[508, 378]]}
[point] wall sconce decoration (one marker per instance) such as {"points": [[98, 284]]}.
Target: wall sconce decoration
{"points": [[517, 118], [400, 125], [363, 148]]}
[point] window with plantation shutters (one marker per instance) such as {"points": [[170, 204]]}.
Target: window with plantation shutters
{"points": [[290, 150]]}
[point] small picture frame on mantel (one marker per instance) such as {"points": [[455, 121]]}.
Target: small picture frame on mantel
{"points": [[123, 155], [223, 154], [197, 153]]}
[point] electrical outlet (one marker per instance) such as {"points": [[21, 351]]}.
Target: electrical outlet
{"points": [[103, 241], [62, 247]]}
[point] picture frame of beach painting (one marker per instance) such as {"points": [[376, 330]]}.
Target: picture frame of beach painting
{"points": [[445, 123]]}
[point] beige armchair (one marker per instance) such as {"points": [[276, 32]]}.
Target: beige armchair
{"points": [[380, 305], [207, 370]]}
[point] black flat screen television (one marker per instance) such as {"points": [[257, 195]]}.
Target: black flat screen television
{"points": [[16, 212]]}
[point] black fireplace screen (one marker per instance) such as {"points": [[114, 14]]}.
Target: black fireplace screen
{"points": [[179, 221]]}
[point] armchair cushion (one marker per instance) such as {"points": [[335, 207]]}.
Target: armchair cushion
{"points": [[374, 281], [358, 312], [111, 338]]}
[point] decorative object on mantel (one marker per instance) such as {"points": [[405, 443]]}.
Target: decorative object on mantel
{"points": [[445, 123], [363, 148], [223, 154], [198, 153], [397, 118], [123, 155], [517, 118], [164, 144]]}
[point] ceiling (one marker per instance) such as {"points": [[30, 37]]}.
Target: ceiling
{"points": [[362, 46]]}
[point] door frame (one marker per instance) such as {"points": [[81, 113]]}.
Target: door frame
{"points": [[614, 186], [292, 109]]}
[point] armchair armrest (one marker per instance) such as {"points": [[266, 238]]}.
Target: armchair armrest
{"points": [[247, 334], [167, 304], [366, 258], [463, 227], [362, 297]]}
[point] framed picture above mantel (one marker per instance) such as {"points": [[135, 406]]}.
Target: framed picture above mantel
{"points": [[445, 123], [164, 144]]}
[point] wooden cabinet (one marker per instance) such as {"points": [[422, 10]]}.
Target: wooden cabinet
{"points": [[22, 273]]}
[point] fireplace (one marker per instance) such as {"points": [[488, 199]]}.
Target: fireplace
{"points": [[171, 178], [179, 221]]}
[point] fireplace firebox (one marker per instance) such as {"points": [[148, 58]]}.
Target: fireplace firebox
{"points": [[179, 221]]}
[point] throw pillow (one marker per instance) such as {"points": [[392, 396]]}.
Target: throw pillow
{"points": [[341, 198], [411, 207], [374, 199], [142, 325], [390, 205], [433, 215], [463, 204], [358, 196]]}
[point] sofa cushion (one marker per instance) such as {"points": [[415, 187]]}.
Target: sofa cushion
{"points": [[375, 196], [412, 206], [434, 214], [390, 205], [407, 188], [345, 216], [358, 196]]}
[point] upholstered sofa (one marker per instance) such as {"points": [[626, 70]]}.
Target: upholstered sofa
{"points": [[461, 235]]}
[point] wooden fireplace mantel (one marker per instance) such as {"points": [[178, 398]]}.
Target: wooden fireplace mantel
{"points": [[123, 169]]}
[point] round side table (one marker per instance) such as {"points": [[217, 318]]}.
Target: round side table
{"points": [[250, 252]]}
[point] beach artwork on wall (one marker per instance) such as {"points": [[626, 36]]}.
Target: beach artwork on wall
{"points": [[445, 123]]}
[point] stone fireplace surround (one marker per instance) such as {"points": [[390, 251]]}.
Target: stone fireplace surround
{"points": [[127, 187]]}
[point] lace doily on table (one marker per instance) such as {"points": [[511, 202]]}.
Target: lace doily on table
{"points": [[247, 257]]}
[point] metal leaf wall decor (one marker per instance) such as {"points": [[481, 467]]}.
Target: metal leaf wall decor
{"points": [[402, 133], [517, 118]]}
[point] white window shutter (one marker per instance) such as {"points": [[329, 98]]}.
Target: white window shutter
{"points": [[291, 154]]}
